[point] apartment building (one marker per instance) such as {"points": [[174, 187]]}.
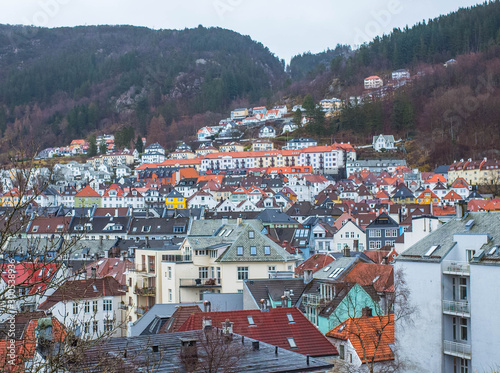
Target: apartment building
{"points": [[451, 275]]}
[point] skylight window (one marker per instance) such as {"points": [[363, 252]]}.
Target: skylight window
{"points": [[327, 269], [492, 250], [291, 342], [250, 321], [95, 288], [431, 250], [228, 232], [290, 318], [336, 272], [222, 232]]}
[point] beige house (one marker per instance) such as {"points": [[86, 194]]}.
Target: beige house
{"points": [[373, 82], [218, 256]]}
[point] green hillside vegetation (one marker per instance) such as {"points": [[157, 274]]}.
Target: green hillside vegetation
{"points": [[73, 81]]}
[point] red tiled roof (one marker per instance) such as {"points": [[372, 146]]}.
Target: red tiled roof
{"points": [[112, 267], [87, 192], [381, 276], [315, 262], [178, 318], [370, 336], [35, 276], [273, 327], [83, 289]]}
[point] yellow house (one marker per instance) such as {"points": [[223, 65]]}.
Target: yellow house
{"points": [[175, 200], [11, 198], [427, 197], [239, 113]]}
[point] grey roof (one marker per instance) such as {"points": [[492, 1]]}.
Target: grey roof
{"points": [[136, 354], [274, 216], [484, 223], [330, 272], [259, 241], [275, 288]]}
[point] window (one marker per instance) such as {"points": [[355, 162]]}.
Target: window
{"points": [[107, 305], [242, 273], [87, 307], [94, 306], [250, 321], [108, 325], [169, 273], [86, 327], [267, 250], [95, 326], [170, 295], [178, 229], [342, 352], [75, 308], [240, 250], [251, 234], [463, 329], [291, 342], [35, 229], [463, 288], [253, 250], [203, 273]]}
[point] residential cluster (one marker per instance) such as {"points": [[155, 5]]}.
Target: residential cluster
{"points": [[301, 251]]}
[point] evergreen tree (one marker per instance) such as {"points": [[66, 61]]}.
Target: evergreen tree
{"points": [[139, 144], [92, 150], [103, 147]]}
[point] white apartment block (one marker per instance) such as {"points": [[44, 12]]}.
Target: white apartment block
{"points": [[452, 275]]}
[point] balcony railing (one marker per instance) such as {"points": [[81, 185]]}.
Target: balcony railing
{"points": [[457, 349], [456, 308], [313, 300], [199, 282], [451, 267], [146, 292], [141, 310]]}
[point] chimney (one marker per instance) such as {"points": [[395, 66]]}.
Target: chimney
{"points": [[461, 209], [207, 323], [207, 306], [346, 251], [366, 312], [263, 305], [93, 273], [284, 301], [227, 328], [308, 275]]}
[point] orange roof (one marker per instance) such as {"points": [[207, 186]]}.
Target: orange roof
{"points": [[315, 263], [452, 195], [188, 172], [436, 178], [443, 210], [372, 77], [370, 336], [382, 194], [381, 276], [87, 192], [492, 205], [427, 191], [147, 165], [475, 205], [180, 162]]}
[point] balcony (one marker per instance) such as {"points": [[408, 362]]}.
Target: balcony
{"points": [[145, 291], [456, 308], [176, 258], [198, 282], [313, 300], [451, 267], [457, 349], [141, 310]]}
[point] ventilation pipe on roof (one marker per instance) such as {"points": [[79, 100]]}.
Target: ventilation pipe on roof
{"points": [[207, 306], [366, 312]]}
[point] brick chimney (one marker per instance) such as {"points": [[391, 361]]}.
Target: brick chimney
{"points": [[366, 312]]}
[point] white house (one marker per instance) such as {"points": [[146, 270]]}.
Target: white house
{"points": [[295, 144], [386, 142], [91, 307], [267, 132], [350, 235], [373, 82], [400, 74], [153, 153], [451, 277]]}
